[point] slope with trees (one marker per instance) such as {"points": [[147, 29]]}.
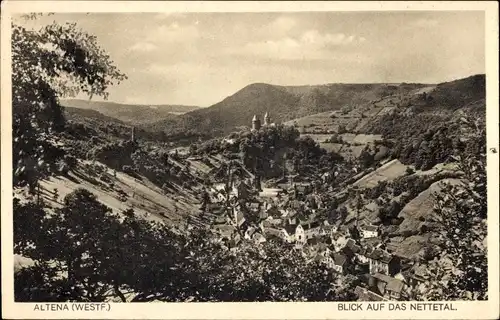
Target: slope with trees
{"points": [[283, 102]]}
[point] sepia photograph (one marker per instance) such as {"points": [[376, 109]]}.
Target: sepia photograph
{"points": [[249, 156]]}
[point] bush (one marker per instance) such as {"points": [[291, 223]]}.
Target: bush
{"points": [[129, 170], [105, 178], [71, 161], [409, 171]]}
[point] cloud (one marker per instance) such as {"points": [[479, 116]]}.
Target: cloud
{"points": [[143, 46], [282, 24], [173, 33], [313, 37], [309, 45]]}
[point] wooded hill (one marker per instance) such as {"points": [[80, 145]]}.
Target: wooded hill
{"points": [[282, 102], [130, 113]]}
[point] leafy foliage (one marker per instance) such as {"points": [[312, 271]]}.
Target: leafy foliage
{"points": [[460, 271], [48, 63], [84, 252]]}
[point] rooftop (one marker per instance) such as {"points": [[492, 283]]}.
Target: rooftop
{"points": [[290, 228], [369, 227], [272, 232], [392, 284], [310, 225], [380, 255], [367, 295], [339, 259]]}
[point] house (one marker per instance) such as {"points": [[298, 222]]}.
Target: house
{"points": [[364, 294], [222, 219], [271, 233], [224, 230], [254, 207], [369, 231], [288, 233], [292, 217], [249, 233], [238, 218], [311, 201], [271, 223], [300, 235], [295, 205], [381, 261], [307, 231], [323, 249], [372, 242], [388, 287], [216, 196], [361, 256], [258, 238], [344, 229], [360, 253], [339, 242], [270, 210], [339, 262], [327, 230], [416, 275], [392, 247], [241, 190], [303, 188], [234, 241]]}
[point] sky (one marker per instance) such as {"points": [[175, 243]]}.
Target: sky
{"points": [[201, 58]]}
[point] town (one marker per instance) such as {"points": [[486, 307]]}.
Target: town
{"points": [[248, 157], [243, 209]]}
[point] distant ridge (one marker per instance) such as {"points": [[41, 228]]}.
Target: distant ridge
{"points": [[282, 102], [130, 113], [285, 103]]}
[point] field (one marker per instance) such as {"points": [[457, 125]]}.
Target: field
{"points": [[411, 247], [126, 192], [387, 172], [421, 206], [357, 141], [335, 147]]}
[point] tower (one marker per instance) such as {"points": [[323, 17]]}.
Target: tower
{"points": [[132, 138], [255, 123], [267, 119]]}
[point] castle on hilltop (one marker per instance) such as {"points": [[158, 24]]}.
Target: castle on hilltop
{"points": [[256, 125]]}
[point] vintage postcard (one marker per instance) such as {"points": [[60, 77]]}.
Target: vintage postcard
{"points": [[249, 160]]}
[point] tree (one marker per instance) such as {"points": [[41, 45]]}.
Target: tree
{"points": [[49, 63], [366, 158], [85, 252], [460, 272]]}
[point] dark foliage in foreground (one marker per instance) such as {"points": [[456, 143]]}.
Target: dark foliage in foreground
{"points": [[84, 252]]}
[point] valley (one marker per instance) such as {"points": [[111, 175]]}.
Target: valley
{"points": [[343, 190]]}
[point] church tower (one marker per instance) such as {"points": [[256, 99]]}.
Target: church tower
{"points": [[255, 123], [132, 138], [267, 119]]}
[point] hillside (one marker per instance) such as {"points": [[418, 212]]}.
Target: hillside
{"points": [[130, 113], [123, 193], [348, 192], [282, 102], [394, 117], [83, 124]]}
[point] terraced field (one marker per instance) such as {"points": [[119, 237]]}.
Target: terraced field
{"points": [[122, 193], [388, 172]]}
